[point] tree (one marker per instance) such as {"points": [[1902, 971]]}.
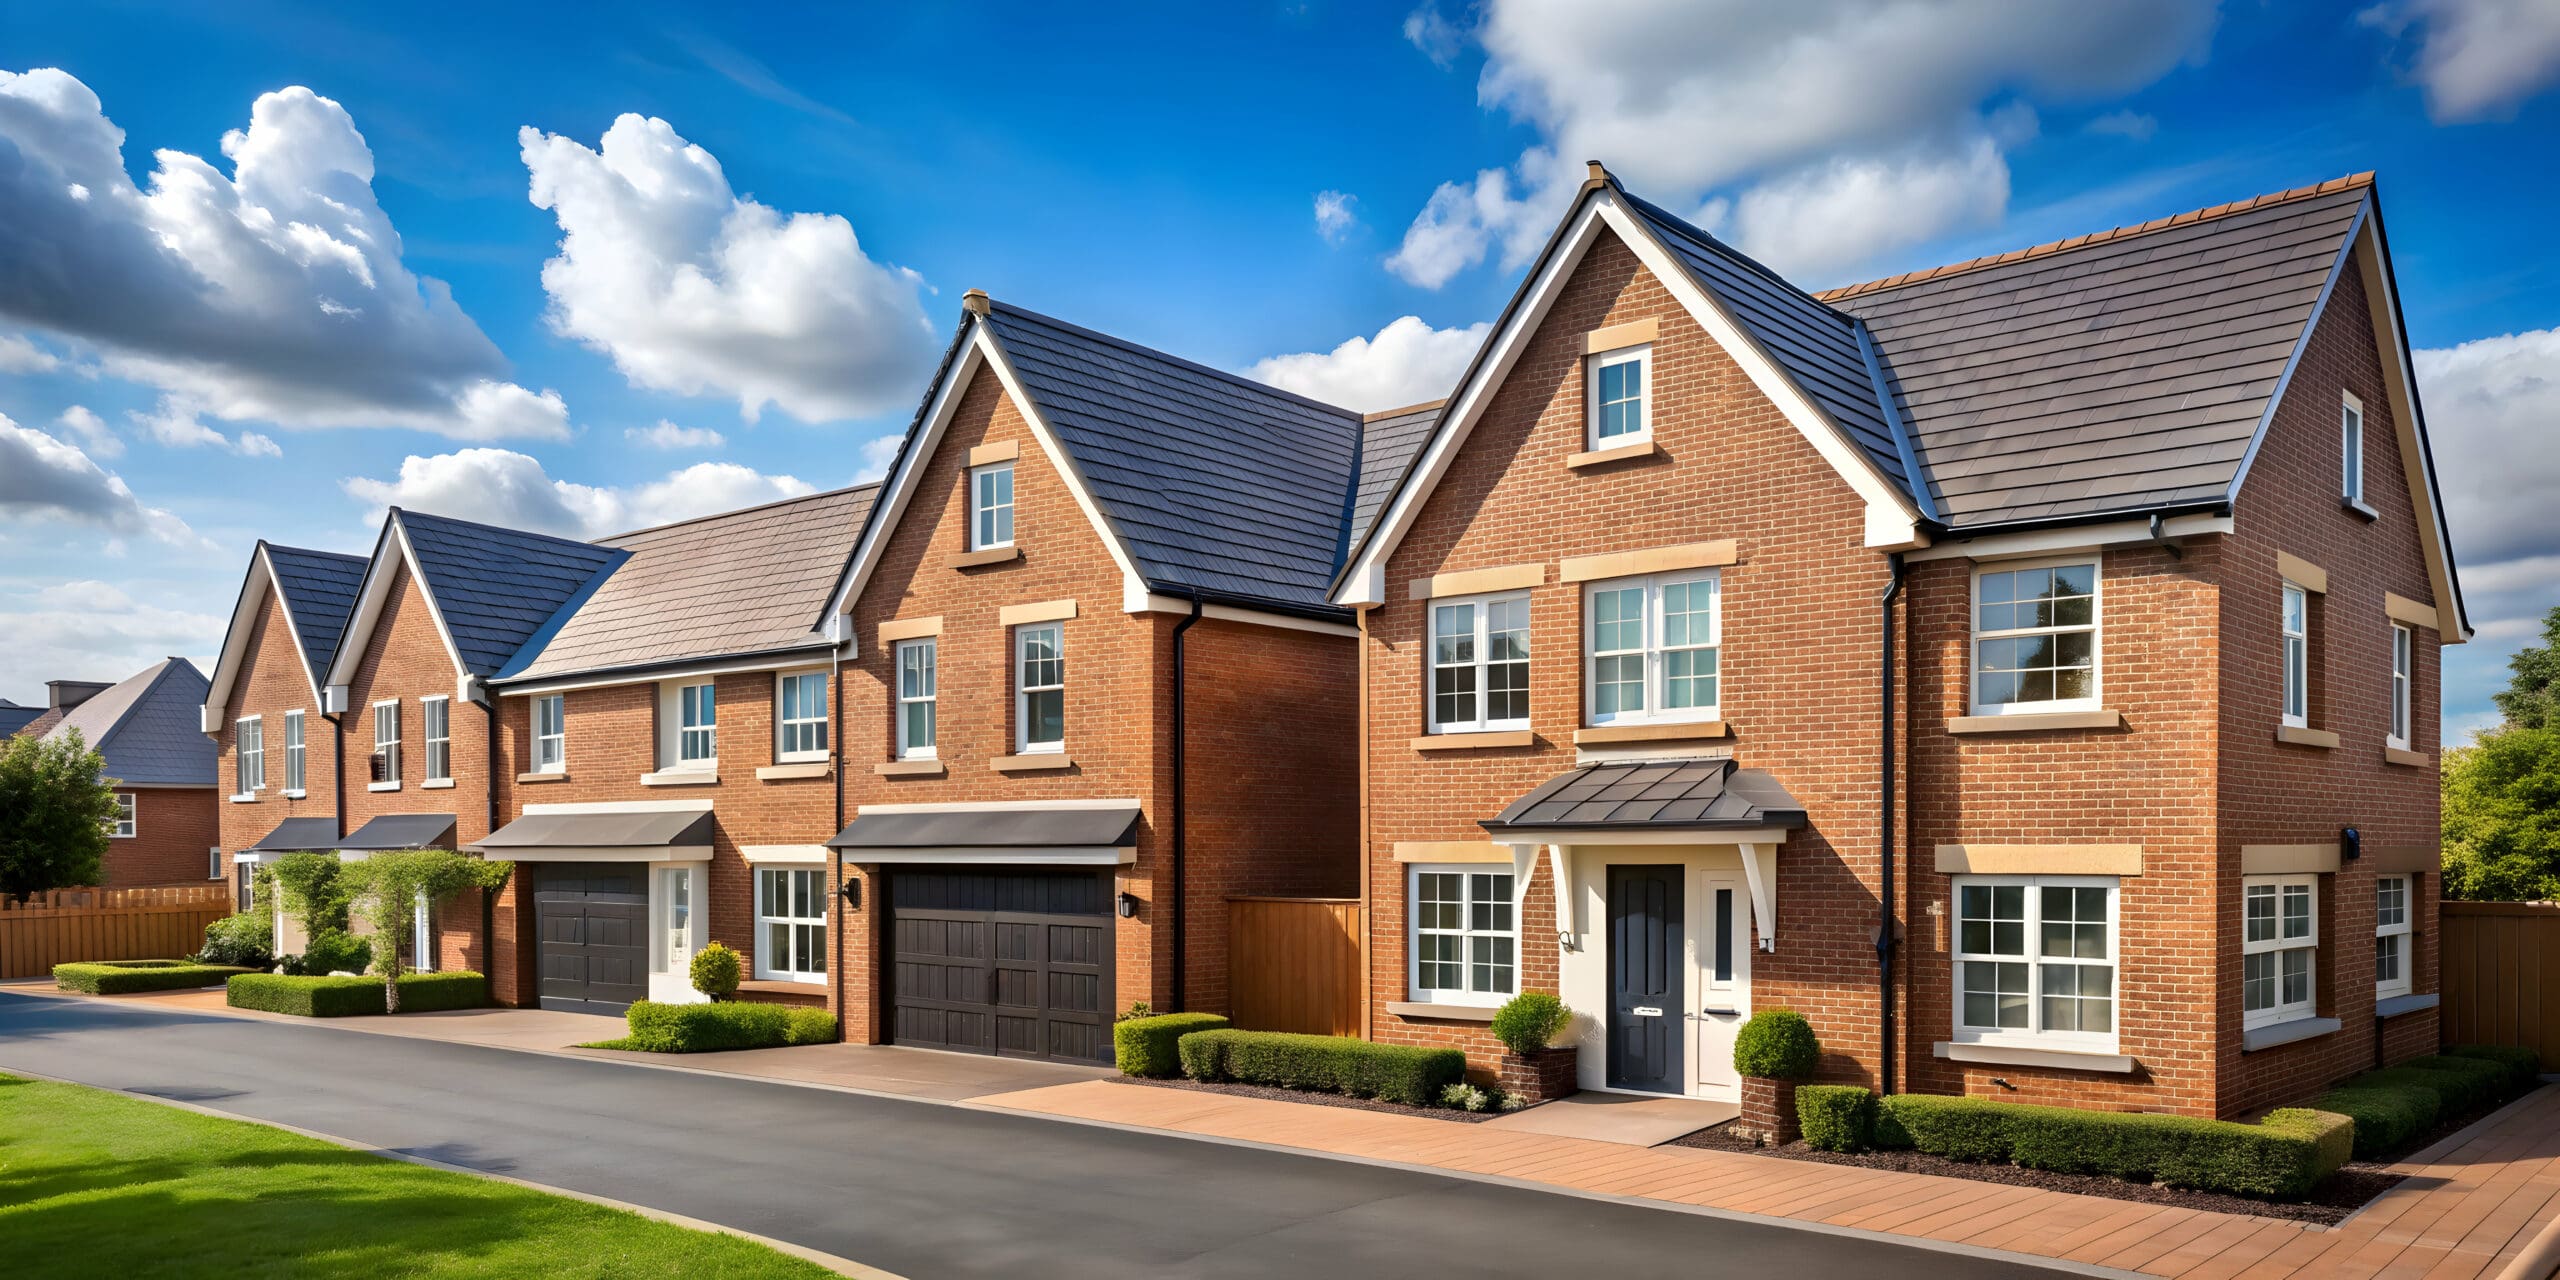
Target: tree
{"points": [[387, 888], [2502, 817], [2531, 699], [314, 890], [54, 813]]}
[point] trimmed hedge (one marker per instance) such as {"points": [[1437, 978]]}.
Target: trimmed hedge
{"points": [[1836, 1117], [712, 1028], [1146, 1046], [316, 997], [1777, 1044], [2285, 1156], [2388, 1117], [2397, 1105], [124, 977], [1408, 1074], [2524, 1065]]}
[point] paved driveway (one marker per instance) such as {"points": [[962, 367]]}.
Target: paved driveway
{"points": [[913, 1187]]}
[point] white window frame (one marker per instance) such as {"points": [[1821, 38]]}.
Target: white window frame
{"points": [[2401, 932], [1641, 357], [123, 827], [2031, 927], [551, 749], [803, 928], [296, 758], [248, 757], [924, 656], [2351, 450], [1487, 885], [983, 509], [432, 709], [422, 935], [2283, 1010], [2294, 655], [1479, 664], [216, 864], [387, 748], [687, 724], [785, 722], [672, 910], [1022, 691], [1656, 683], [2404, 675], [2095, 629]]}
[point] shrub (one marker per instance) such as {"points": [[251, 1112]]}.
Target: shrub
{"points": [[1144, 1046], [1836, 1117], [709, 1028], [247, 940], [124, 977], [321, 997], [2459, 1091], [331, 951], [1137, 1009], [810, 1026], [1466, 1097], [1408, 1074], [2388, 1117], [715, 971], [1530, 1021], [2284, 1156], [1777, 1044], [2524, 1065]]}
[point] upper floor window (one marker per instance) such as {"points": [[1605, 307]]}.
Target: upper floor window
{"points": [[1480, 664], [2392, 958], [697, 724], [1621, 410], [2297, 656], [2036, 959], [121, 826], [1040, 689], [991, 506], [800, 716], [437, 712], [2035, 638], [1466, 938], [2403, 669], [550, 734], [1651, 648], [386, 743], [294, 765], [915, 699], [248, 756], [2351, 451], [2279, 941]]}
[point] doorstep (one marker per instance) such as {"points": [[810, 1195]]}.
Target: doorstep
{"points": [[1628, 1119]]}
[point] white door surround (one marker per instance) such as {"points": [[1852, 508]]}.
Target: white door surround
{"points": [[1717, 969]]}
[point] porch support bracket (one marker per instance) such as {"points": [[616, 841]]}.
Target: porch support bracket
{"points": [[1760, 868]]}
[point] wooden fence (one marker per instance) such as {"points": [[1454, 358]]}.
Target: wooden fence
{"points": [[69, 925], [1293, 964], [2501, 965]]}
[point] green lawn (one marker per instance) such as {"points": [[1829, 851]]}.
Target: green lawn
{"points": [[97, 1184]]}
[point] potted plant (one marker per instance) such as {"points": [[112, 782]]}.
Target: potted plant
{"points": [[1775, 1051], [1531, 1069]]}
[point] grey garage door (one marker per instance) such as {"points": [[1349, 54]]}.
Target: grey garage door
{"points": [[593, 925], [1013, 963]]}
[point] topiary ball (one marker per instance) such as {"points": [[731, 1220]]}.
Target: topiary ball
{"points": [[1530, 1021], [715, 971], [1777, 1044]]}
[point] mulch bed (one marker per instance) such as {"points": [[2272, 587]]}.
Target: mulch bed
{"points": [[1318, 1099], [2338, 1196]]}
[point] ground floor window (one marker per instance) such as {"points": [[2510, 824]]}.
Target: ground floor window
{"points": [[2279, 948], [2393, 950], [2035, 961], [121, 826], [1466, 936], [791, 924]]}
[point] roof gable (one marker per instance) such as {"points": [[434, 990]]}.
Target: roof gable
{"points": [[315, 593], [146, 729], [489, 590]]}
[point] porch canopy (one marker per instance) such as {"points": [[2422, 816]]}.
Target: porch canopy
{"points": [[402, 831], [1653, 802], [1064, 833], [602, 833], [296, 835]]}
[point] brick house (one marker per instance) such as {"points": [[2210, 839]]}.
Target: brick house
{"points": [[143, 727], [2066, 619], [1093, 688]]}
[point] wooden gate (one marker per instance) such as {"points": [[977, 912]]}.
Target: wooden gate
{"points": [[66, 926], [1294, 964], [2501, 966]]}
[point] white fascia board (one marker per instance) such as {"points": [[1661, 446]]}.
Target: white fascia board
{"points": [[891, 506], [1256, 617], [2382, 293], [982, 806], [622, 806], [2065, 539], [375, 595], [1058, 456], [801, 660], [254, 590]]}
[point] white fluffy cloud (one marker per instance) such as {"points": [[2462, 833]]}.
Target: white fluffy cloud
{"points": [[692, 290], [91, 630], [2478, 57], [877, 453], [503, 487], [1682, 99], [2493, 406], [178, 424], [44, 478], [1334, 218], [17, 355], [1407, 363], [91, 431], [273, 293], [667, 435], [1853, 208], [1434, 35]]}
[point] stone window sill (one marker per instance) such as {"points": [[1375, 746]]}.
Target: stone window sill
{"points": [[293, 795], [910, 769], [555, 775], [2410, 759], [1443, 1012], [2267, 1037], [981, 559], [435, 784], [1475, 741], [1036, 762], [248, 798], [795, 769], [680, 778], [2037, 721], [1603, 457], [2298, 737], [2357, 505], [1606, 733], [2397, 1005], [2008, 1055], [382, 786]]}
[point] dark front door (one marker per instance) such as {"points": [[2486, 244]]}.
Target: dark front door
{"points": [[593, 923], [1647, 998], [1013, 963]]}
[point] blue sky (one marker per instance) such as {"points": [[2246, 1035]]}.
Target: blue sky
{"points": [[1239, 184]]}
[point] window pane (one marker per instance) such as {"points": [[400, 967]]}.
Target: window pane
{"points": [[1618, 685], [1492, 967], [2258, 911], [1048, 716], [2297, 975], [919, 724], [2386, 958], [2258, 981], [1724, 936], [2297, 911]]}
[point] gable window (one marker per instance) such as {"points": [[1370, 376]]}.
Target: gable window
{"points": [[437, 712], [550, 734], [2403, 666], [2279, 944], [1651, 649], [1040, 699], [915, 699], [2393, 955], [1621, 412], [2035, 638], [2297, 657], [386, 744], [791, 924], [120, 827], [248, 757], [800, 716], [1480, 664], [293, 753], [2351, 452], [2036, 960], [697, 725], [991, 506], [1466, 938]]}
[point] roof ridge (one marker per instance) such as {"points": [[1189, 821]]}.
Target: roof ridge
{"points": [[405, 514], [313, 551], [836, 492], [1695, 232], [1223, 375], [1384, 414], [2364, 179]]}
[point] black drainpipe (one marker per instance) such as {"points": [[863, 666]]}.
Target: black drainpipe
{"points": [[1884, 895], [838, 909], [489, 897], [1180, 956]]}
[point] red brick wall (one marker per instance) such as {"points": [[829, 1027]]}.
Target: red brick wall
{"points": [[270, 683], [174, 828]]}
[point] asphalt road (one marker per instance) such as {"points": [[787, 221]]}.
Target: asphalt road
{"points": [[916, 1188]]}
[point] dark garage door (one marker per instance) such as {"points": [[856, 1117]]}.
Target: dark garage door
{"points": [[593, 924], [1013, 963]]}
